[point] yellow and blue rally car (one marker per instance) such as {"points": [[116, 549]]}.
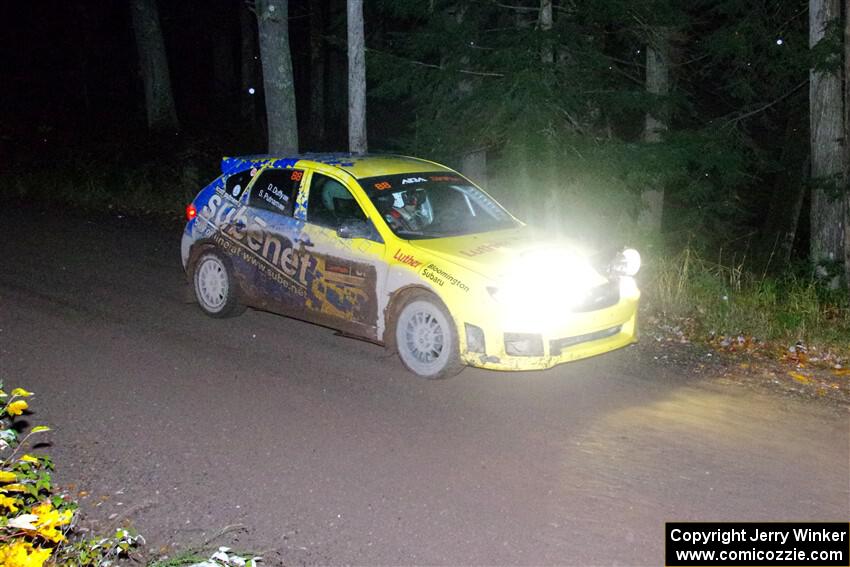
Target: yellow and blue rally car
{"points": [[406, 253]]}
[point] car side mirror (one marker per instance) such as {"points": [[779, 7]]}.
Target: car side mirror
{"points": [[354, 228]]}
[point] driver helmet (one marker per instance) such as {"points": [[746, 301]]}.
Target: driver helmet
{"points": [[413, 197]]}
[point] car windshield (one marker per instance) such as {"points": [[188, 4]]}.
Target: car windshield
{"points": [[434, 205]]}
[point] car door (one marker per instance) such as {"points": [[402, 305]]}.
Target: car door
{"points": [[272, 239], [347, 272]]}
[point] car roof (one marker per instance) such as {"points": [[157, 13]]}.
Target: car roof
{"points": [[359, 166]]}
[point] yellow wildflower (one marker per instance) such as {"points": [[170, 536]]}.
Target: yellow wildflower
{"points": [[50, 520], [30, 459], [22, 554], [21, 392], [17, 487], [17, 407], [9, 503], [8, 476]]}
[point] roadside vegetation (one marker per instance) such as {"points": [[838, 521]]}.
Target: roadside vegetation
{"points": [[38, 522], [725, 302]]}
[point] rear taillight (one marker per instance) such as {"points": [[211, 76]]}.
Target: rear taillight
{"points": [[191, 211]]}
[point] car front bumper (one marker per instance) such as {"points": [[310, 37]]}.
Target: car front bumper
{"points": [[582, 336]]}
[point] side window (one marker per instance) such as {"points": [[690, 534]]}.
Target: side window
{"points": [[235, 184], [330, 203], [274, 190]]}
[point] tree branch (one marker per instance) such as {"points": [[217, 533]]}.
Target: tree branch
{"points": [[764, 107], [438, 67]]}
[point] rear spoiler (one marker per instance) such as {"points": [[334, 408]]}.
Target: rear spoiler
{"points": [[241, 163]]}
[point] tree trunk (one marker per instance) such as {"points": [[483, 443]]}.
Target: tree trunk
{"points": [[847, 145], [656, 121], [356, 79], [159, 100], [248, 64], [273, 32], [826, 126], [317, 72], [545, 22]]}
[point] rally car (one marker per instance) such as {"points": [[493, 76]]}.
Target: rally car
{"points": [[406, 253]]}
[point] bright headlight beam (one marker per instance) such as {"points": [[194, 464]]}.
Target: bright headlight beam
{"points": [[544, 285], [631, 261]]}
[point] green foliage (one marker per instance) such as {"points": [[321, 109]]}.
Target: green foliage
{"points": [[475, 75], [724, 298], [223, 557], [179, 560]]}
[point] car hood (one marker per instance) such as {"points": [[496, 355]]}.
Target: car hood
{"points": [[497, 254]]}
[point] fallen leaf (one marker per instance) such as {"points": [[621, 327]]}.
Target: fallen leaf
{"points": [[801, 378]]}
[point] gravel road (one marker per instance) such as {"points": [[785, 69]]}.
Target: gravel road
{"points": [[326, 451]]}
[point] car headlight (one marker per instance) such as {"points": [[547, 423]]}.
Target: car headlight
{"points": [[627, 262], [540, 288]]}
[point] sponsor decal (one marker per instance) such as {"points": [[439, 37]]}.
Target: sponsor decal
{"points": [[246, 237], [274, 196], [337, 268], [407, 259], [484, 248], [343, 274], [290, 275], [445, 178], [408, 180], [440, 277]]}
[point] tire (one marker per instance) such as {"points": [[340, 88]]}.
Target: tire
{"points": [[426, 338], [214, 285]]}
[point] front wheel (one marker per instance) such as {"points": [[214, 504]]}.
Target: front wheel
{"points": [[215, 287], [426, 338]]}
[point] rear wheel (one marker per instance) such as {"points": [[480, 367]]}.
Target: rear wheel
{"points": [[215, 287], [426, 338]]}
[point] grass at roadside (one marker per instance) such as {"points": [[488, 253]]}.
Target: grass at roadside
{"points": [[714, 301]]}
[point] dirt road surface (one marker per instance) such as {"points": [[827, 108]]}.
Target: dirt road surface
{"points": [[327, 452]]}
